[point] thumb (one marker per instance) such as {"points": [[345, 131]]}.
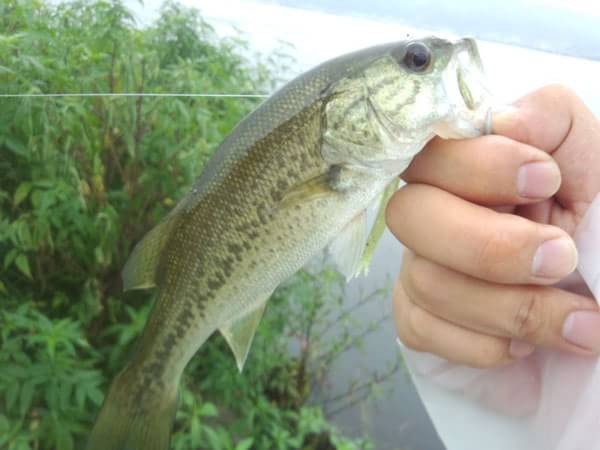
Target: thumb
{"points": [[556, 120]]}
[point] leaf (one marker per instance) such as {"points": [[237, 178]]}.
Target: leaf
{"points": [[213, 438], [33, 62], [26, 397], [99, 255], [244, 444], [2, 287], [15, 146], [4, 429], [208, 410], [64, 440], [95, 395], [23, 265], [11, 396], [10, 257], [21, 193]]}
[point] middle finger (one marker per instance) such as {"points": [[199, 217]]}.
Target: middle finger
{"points": [[478, 241]]}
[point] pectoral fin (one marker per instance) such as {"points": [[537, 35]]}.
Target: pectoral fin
{"points": [[309, 190], [346, 249], [240, 332], [332, 182], [377, 228], [352, 250]]}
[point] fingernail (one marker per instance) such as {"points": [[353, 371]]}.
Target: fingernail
{"points": [[582, 328], [555, 258], [519, 349], [503, 116], [538, 179]]}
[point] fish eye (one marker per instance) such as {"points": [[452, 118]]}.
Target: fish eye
{"points": [[417, 57]]}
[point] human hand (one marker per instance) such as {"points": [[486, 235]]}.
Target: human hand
{"points": [[488, 225]]}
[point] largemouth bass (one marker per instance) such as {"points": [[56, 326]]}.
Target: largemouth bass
{"points": [[294, 177]]}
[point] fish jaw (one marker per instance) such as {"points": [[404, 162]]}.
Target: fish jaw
{"points": [[469, 98]]}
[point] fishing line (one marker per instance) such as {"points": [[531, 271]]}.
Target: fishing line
{"points": [[133, 94]]}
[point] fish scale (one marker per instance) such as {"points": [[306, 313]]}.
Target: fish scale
{"points": [[293, 177]]}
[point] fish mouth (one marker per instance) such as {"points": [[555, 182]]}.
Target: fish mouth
{"points": [[469, 72], [467, 93]]}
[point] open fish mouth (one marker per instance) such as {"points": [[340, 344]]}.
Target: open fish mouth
{"points": [[470, 76], [467, 93]]}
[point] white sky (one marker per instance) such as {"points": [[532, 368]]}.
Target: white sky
{"points": [[317, 36], [549, 25], [585, 6]]}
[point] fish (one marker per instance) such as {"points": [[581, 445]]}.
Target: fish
{"points": [[294, 177]]}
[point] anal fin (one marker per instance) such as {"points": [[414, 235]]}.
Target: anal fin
{"points": [[239, 333]]}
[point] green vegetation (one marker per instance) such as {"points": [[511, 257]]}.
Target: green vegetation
{"points": [[82, 179]]}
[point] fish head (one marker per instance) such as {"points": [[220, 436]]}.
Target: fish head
{"points": [[385, 111]]}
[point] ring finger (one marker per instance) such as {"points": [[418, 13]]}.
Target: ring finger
{"points": [[533, 314]]}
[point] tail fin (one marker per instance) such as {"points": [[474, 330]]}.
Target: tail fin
{"points": [[134, 419]]}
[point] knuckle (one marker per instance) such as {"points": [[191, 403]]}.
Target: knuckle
{"points": [[418, 327], [391, 211], [503, 146], [420, 276], [530, 318], [411, 330], [556, 103], [522, 129], [407, 339], [402, 306], [402, 201], [510, 146], [493, 355], [496, 259], [559, 91]]}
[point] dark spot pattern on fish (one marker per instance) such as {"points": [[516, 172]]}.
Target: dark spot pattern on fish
{"points": [[237, 250], [215, 283], [224, 231], [383, 83], [351, 106], [226, 264], [168, 343], [282, 184], [398, 107]]}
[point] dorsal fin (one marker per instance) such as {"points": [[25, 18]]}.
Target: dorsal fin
{"points": [[140, 270]]}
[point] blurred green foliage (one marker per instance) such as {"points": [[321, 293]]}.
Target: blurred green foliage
{"points": [[82, 179]]}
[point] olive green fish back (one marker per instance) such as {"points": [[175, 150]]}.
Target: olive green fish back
{"points": [[285, 104]]}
